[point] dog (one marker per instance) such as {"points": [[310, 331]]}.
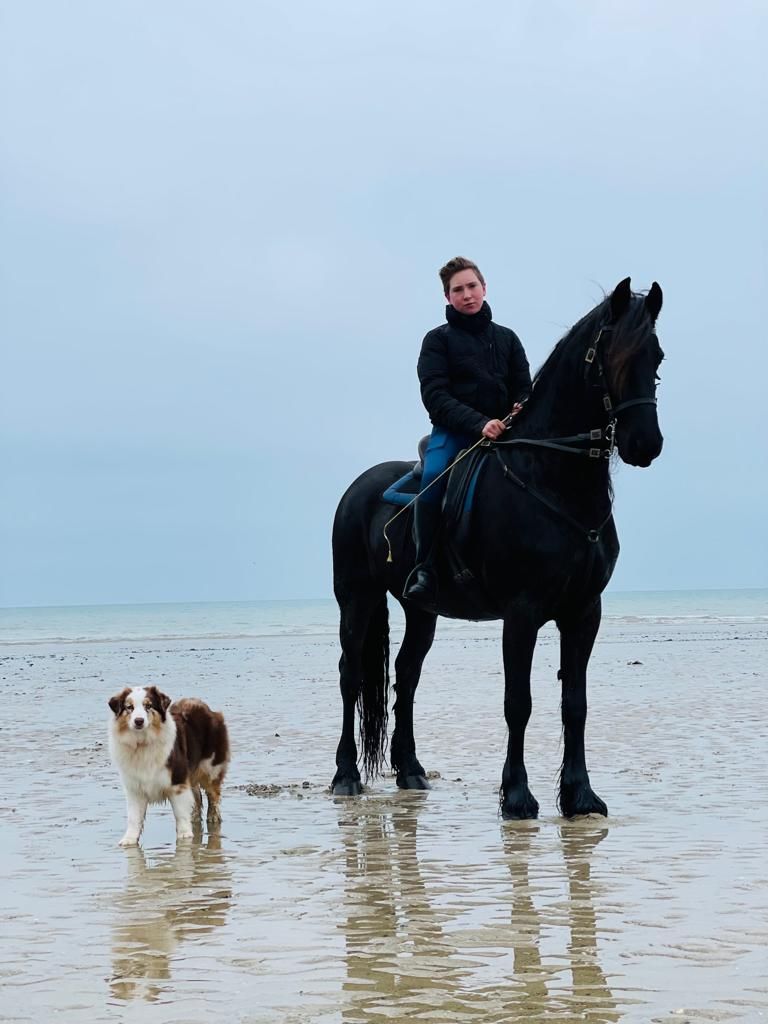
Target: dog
{"points": [[167, 751]]}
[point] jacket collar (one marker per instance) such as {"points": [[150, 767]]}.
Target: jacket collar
{"points": [[472, 323]]}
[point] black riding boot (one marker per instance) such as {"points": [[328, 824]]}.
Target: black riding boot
{"points": [[421, 585]]}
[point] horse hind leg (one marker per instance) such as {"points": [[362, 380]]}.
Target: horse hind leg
{"points": [[577, 637], [363, 680], [419, 634]]}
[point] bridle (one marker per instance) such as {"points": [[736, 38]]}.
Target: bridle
{"points": [[574, 444], [594, 357], [578, 444]]}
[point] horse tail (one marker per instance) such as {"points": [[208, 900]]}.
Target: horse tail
{"points": [[373, 702]]}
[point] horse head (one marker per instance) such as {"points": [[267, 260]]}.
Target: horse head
{"points": [[629, 364]]}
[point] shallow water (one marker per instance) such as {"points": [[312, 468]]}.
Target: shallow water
{"points": [[394, 906]]}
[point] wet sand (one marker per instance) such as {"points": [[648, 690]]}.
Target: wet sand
{"points": [[394, 906]]}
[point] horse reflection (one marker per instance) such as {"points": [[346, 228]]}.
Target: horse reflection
{"points": [[540, 994], [397, 953], [528, 975], [591, 993], [165, 902], [407, 953]]}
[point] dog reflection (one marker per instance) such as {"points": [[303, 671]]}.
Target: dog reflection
{"points": [[165, 901]]}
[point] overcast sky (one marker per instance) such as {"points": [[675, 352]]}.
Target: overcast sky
{"points": [[221, 225]]}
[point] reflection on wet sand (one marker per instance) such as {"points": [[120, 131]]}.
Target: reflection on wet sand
{"points": [[407, 955], [396, 952], [174, 898], [542, 993], [590, 986], [528, 976]]}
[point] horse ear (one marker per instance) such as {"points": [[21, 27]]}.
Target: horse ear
{"points": [[622, 293], [653, 301]]}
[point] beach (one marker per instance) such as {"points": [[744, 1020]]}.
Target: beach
{"points": [[391, 906]]}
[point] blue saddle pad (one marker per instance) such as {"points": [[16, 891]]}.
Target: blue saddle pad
{"points": [[459, 493], [402, 491]]}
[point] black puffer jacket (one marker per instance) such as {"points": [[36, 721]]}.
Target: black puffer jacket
{"points": [[471, 370]]}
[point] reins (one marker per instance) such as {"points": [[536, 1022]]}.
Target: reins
{"points": [[567, 444], [571, 445], [593, 535]]}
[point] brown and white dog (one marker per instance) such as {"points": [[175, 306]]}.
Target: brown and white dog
{"points": [[167, 751]]}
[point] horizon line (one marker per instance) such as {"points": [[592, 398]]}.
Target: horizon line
{"points": [[307, 600]]}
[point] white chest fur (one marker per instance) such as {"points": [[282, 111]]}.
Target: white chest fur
{"points": [[142, 760]]}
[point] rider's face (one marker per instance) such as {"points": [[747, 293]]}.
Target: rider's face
{"points": [[466, 292]]}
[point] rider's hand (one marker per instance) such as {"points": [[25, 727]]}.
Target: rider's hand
{"points": [[493, 429], [516, 408]]}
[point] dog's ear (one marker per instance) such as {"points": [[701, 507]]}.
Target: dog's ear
{"points": [[117, 703], [160, 702]]}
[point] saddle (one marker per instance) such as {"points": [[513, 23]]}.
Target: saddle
{"points": [[458, 513], [457, 505]]}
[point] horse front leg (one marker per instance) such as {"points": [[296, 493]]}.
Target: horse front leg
{"points": [[577, 637], [515, 797], [419, 634]]}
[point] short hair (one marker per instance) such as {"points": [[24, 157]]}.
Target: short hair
{"points": [[454, 266]]}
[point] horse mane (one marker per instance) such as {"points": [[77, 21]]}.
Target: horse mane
{"points": [[630, 332], [581, 332]]}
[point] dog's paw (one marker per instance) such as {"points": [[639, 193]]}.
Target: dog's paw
{"points": [[129, 840]]}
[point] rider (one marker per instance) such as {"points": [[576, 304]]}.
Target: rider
{"points": [[472, 373]]}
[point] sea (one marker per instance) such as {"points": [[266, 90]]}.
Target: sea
{"points": [[245, 620]]}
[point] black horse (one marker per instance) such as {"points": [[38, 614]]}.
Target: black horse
{"points": [[542, 547]]}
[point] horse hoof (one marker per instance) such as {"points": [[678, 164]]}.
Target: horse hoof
{"points": [[523, 808], [576, 803], [418, 782], [347, 787]]}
